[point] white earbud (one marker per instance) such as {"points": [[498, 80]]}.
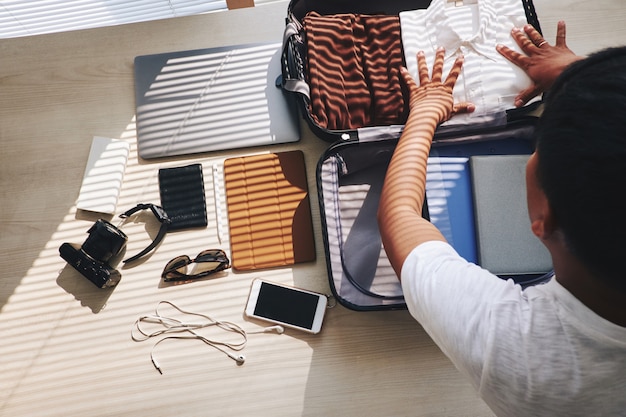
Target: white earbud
{"points": [[278, 329], [240, 359]]}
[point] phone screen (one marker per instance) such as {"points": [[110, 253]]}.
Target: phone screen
{"points": [[286, 305]]}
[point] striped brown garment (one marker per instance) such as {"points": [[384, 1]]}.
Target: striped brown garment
{"points": [[353, 68]]}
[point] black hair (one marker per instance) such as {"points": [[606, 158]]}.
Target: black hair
{"points": [[581, 151]]}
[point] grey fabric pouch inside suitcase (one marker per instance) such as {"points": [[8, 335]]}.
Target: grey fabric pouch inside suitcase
{"points": [[350, 185]]}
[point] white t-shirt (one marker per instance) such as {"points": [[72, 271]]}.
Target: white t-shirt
{"points": [[487, 79], [533, 352]]}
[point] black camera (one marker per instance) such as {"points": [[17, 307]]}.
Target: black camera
{"points": [[104, 242]]}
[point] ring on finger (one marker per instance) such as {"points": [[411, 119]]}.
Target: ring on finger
{"points": [[543, 42]]}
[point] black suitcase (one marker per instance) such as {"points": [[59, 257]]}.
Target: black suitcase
{"points": [[294, 62], [350, 173]]}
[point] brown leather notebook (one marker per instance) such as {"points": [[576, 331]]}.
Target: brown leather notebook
{"points": [[269, 212]]}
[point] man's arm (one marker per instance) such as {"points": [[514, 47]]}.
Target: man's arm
{"points": [[543, 63], [400, 220]]}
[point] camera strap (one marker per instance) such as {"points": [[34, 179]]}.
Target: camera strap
{"points": [[161, 216]]}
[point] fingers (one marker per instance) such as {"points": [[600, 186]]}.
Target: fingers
{"points": [[522, 40], [454, 72], [534, 36], [560, 35], [408, 79], [530, 38], [434, 89], [422, 68], [525, 95], [438, 66], [463, 107], [513, 56]]}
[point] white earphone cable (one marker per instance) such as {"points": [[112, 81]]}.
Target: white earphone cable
{"points": [[172, 329]]}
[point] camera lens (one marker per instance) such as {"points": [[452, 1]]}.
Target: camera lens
{"points": [[104, 241]]}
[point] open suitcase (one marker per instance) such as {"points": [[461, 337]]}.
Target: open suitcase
{"points": [[351, 171]]}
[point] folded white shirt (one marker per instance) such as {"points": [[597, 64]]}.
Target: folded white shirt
{"points": [[488, 80]]}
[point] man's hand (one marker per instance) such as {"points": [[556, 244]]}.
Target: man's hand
{"points": [[433, 95], [543, 62]]}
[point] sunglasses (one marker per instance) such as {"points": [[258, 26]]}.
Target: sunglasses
{"points": [[207, 262]]}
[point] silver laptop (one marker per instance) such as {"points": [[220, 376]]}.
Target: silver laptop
{"points": [[212, 99]]}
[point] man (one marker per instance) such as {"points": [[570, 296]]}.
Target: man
{"points": [[553, 349]]}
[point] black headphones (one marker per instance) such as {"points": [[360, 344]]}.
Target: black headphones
{"points": [[161, 216]]}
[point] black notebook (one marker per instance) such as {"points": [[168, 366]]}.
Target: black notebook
{"points": [[182, 196]]}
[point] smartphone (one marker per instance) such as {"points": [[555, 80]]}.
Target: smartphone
{"points": [[282, 304]]}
